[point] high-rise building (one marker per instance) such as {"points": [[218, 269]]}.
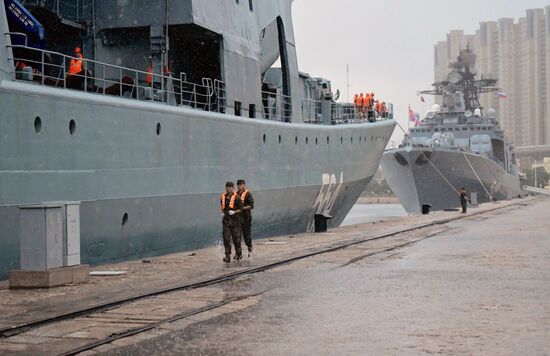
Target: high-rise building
{"points": [[517, 53]]}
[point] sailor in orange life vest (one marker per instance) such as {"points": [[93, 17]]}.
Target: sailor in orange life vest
{"points": [[246, 215], [75, 66], [231, 208]]}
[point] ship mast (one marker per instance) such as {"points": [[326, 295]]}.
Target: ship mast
{"points": [[462, 78]]}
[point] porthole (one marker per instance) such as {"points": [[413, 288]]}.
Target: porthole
{"points": [[37, 124], [296, 140], [158, 128], [280, 139], [72, 127], [124, 219], [264, 138]]}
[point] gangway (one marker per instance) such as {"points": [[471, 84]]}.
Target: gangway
{"points": [[536, 190]]}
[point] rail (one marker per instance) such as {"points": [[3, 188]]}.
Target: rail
{"points": [[49, 68], [277, 106], [73, 10], [311, 111]]}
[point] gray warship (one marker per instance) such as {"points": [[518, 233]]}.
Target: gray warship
{"points": [[174, 98], [456, 145]]}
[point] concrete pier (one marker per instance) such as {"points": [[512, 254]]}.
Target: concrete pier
{"points": [[460, 284]]}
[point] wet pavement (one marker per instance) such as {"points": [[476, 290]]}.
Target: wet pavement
{"points": [[479, 286]]}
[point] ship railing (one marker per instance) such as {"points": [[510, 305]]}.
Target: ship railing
{"points": [[344, 113], [72, 10], [311, 111], [49, 68], [277, 106]]}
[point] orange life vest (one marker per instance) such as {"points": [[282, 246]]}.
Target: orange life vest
{"points": [[366, 102], [360, 101], [243, 195], [150, 74], [231, 201], [75, 66]]}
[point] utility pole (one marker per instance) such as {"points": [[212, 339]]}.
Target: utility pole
{"points": [[536, 185]]}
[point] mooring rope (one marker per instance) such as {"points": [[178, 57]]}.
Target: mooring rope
{"points": [[479, 179], [429, 160]]}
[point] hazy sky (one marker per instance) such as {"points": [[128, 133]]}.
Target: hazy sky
{"points": [[388, 44]]}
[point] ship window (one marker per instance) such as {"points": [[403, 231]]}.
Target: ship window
{"points": [[351, 139], [158, 128], [443, 129], [124, 219], [280, 139], [341, 139], [436, 130], [296, 140], [37, 124], [252, 111], [464, 129], [264, 138], [237, 1], [316, 141], [250, 5], [450, 129], [72, 127], [478, 128], [238, 108], [360, 138], [307, 140], [328, 140]]}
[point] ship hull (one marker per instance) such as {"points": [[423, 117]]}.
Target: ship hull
{"points": [[417, 182], [149, 175]]}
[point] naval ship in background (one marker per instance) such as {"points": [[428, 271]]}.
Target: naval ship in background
{"points": [[456, 145], [147, 153]]}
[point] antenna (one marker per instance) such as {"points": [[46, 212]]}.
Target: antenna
{"points": [[347, 82]]}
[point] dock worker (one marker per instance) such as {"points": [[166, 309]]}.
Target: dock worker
{"points": [[231, 208], [75, 66], [360, 102], [246, 215], [463, 200]]}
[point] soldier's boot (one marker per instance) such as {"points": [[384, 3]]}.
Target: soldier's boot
{"points": [[227, 259], [238, 257]]}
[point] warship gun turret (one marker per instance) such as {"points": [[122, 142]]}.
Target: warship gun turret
{"points": [[173, 99], [458, 144]]}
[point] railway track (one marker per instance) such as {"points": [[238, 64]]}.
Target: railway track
{"points": [[106, 307]]}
